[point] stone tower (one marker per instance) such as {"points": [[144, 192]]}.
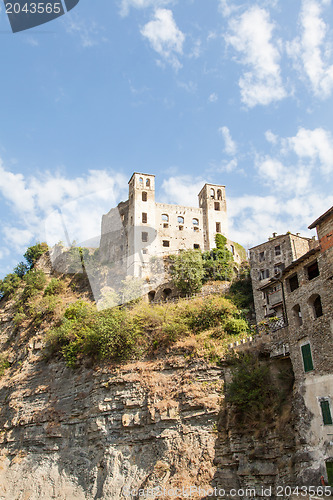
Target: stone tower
{"points": [[212, 201], [141, 222]]}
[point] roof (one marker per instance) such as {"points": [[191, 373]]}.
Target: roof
{"points": [[301, 259], [321, 218], [274, 238], [140, 173]]}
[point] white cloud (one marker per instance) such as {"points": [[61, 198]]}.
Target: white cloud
{"points": [[316, 145], [310, 51], [290, 179], [82, 200], [229, 144], [226, 8], [141, 4], [182, 190], [270, 137], [89, 33], [165, 37], [213, 97], [251, 36]]}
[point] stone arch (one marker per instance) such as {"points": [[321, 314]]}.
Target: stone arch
{"points": [[297, 314], [151, 296], [148, 182], [314, 303], [212, 193], [219, 194], [166, 293]]}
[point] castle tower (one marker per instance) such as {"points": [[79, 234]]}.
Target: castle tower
{"points": [[212, 201], [141, 223]]}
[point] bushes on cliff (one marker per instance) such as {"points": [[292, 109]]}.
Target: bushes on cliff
{"points": [[122, 333], [251, 390]]}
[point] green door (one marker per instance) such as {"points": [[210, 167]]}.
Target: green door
{"points": [[307, 358]]}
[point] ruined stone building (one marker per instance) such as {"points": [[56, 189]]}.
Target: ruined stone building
{"points": [[141, 228], [302, 294]]}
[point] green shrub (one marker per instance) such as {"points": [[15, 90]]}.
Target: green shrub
{"points": [[34, 280], [251, 388], [234, 326], [9, 285], [4, 364], [54, 287], [187, 271], [21, 269], [34, 253]]}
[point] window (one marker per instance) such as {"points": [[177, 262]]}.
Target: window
{"points": [[232, 248], [329, 470], [144, 196], [219, 194], [218, 227], [196, 246], [148, 182], [195, 222], [277, 250], [165, 217], [144, 217], [145, 251], [326, 411], [181, 228], [180, 220], [141, 180], [317, 307], [278, 269], [166, 243], [307, 357], [165, 225], [212, 194], [144, 236], [261, 256], [196, 228], [297, 315], [313, 270], [293, 282], [263, 274], [216, 206]]}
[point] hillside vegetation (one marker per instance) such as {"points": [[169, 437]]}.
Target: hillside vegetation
{"points": [[60, 307]]}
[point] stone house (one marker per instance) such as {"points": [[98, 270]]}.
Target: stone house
{"points": [[268, 261], [305, 288]]}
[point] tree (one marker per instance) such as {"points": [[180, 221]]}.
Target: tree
{"points": [[218, 264], [34, 253], [21, 269], [9, 284], [187, 271]]}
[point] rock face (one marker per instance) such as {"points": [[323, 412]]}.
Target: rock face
{"points": [[104, 433]]}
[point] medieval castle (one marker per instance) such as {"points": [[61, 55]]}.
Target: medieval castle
{"points": [[141, 228]]}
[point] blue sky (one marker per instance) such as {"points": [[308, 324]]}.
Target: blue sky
{"points": [[193, 91]]}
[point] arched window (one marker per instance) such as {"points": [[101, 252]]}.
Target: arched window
{"points": [[212, 194], [297, 315], [144, 196], [219, 194], [180, 220], [141, 180], [315, 306], [147, 182], [195, 222], [165, 217]]}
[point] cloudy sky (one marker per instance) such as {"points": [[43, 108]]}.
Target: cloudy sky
{"points": [[193, 91]]}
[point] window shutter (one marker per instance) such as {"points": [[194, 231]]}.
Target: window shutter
{"points": [[329, 469], [326, 412], [307, 358]]}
